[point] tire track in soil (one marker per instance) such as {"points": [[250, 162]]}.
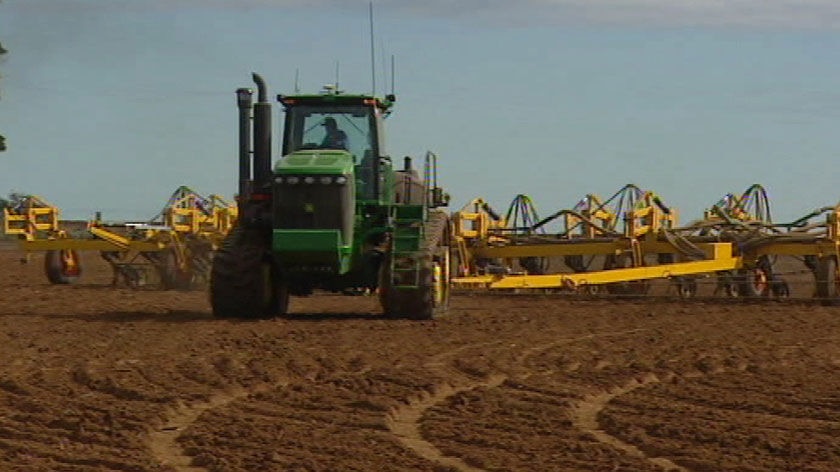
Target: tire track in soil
{"points": [[404, 421], [163, 441], [585, 417], [585, 413]]}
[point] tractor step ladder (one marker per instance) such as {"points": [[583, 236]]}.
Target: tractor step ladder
{"points": [[408, 236]]}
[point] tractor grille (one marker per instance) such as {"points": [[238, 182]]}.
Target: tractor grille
{"points": [[314, 202]]}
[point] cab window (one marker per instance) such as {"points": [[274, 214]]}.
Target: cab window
{"points": [[307, 128]]}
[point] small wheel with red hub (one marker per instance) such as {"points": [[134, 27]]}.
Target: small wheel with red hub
{"points": [[62, 266], [755, 282]]}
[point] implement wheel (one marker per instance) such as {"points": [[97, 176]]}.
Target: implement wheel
{"points": [[754, 282], [728, 285], [534, 265], [633, 287], [244, 282], [173, 275], [828, 280], [62, 266], [686, 287], [780, 288]]}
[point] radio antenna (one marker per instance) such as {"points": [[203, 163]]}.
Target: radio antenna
{"points": [[392, 74], [297, 80], [336, 76], [383, 57], [372, 55]]}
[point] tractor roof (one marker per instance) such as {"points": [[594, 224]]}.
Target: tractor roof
{"points": [[333, 99]]}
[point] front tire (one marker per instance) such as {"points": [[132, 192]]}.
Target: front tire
{"points": [[430, 298], [244, 281]]}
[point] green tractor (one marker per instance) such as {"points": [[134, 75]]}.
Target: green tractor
{"points": [[332, 213]]}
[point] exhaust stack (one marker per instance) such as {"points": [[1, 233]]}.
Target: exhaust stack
{"points": [[262, 135], [244, 103]]}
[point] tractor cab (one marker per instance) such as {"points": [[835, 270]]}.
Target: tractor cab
{"points": [[332, 164], [348, 128]]}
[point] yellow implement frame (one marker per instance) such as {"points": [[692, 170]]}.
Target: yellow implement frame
{"points": [[734, 245], [31, 216], [594, 217], [191, 214], [574, 281], [178, 247]]}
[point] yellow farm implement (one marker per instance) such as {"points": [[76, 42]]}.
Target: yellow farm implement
{"points": [[173, 248], [615, 245], [619, 244]]}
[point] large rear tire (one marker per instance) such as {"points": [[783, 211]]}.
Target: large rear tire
{"points": [[244, 282]]}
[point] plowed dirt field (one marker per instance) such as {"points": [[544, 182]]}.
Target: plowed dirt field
{"points": [[95, 378]]}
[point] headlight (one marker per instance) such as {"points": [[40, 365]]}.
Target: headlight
{"points": [[325, 180], [309, 180], [341, 180], [278, 180], [292, 180]]}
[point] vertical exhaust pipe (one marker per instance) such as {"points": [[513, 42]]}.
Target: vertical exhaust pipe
{"points": [[262, 135], [244, 103]]}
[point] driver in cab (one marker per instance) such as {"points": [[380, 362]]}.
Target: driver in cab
{"points": [[335, 138]]}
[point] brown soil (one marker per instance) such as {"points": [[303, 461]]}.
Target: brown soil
{"points": [[97, 378]]}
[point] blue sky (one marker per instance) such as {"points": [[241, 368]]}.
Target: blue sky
{"points": [[111, 104]]}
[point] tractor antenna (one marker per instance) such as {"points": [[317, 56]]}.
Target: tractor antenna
{"points": [[392, 74], [372, 55], [383, 57], [297, 80], [336, 76]]}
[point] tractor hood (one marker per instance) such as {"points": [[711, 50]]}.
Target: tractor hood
{"points": [[314, 208], [315, 161]]}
